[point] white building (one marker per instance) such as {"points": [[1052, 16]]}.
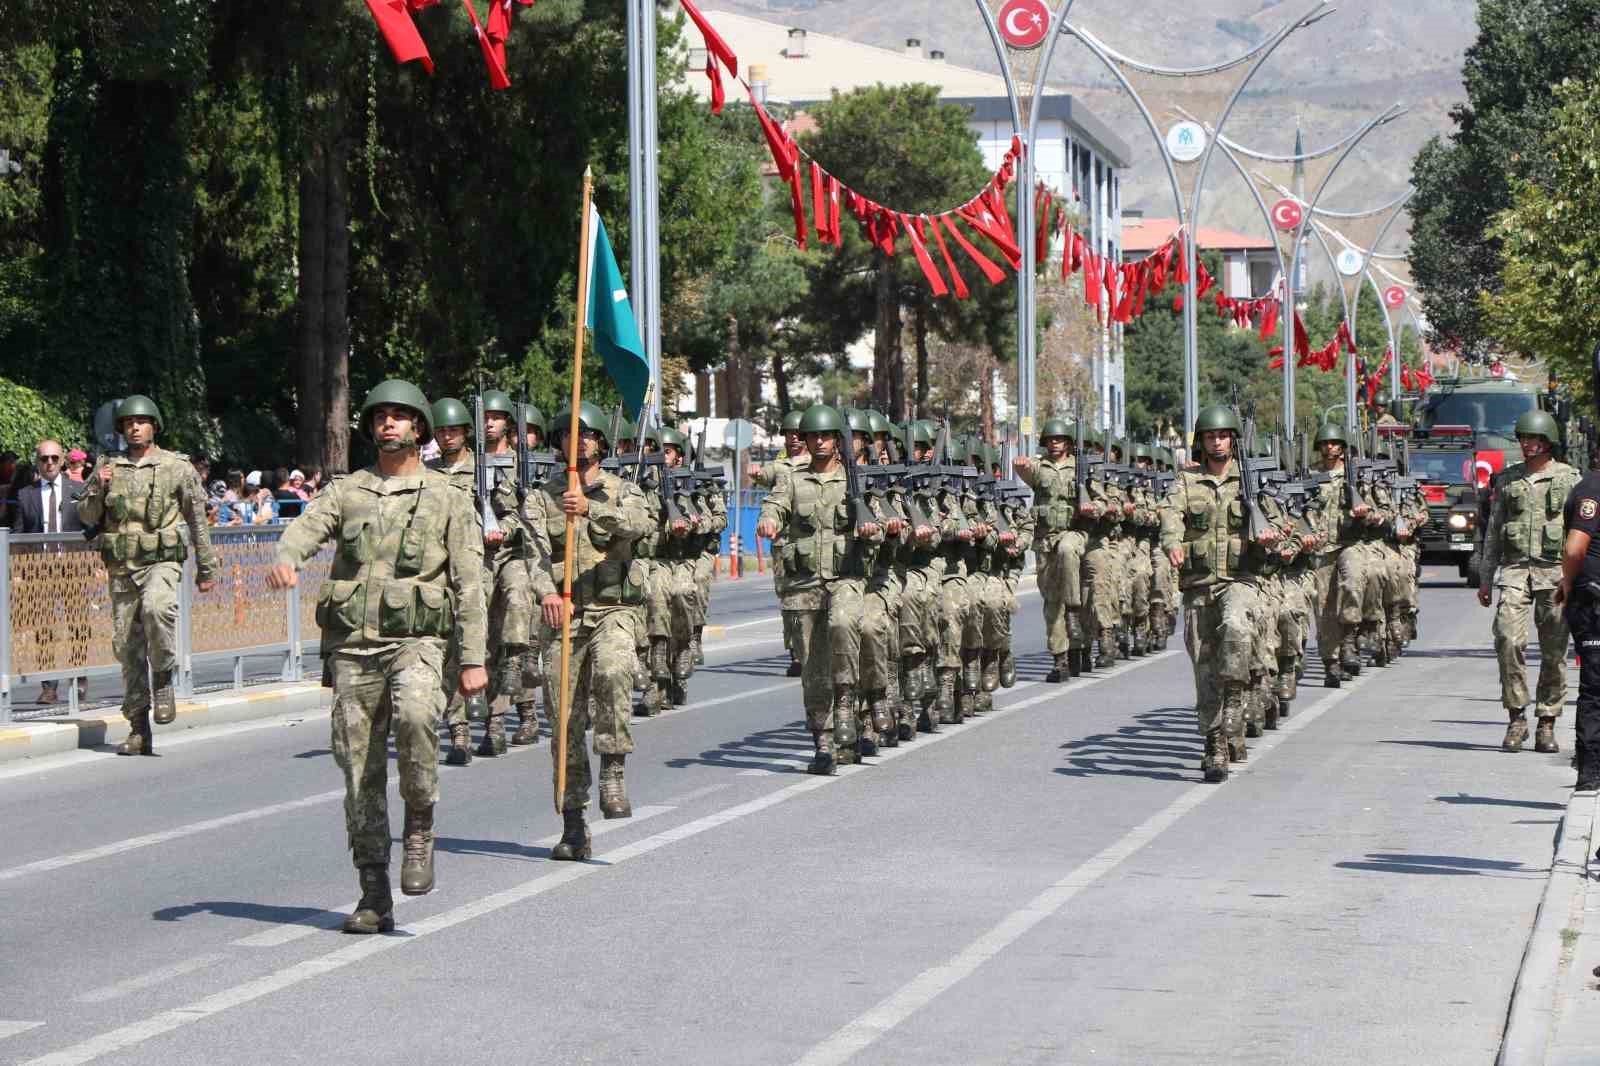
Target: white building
{"points": [[1076, 155]]}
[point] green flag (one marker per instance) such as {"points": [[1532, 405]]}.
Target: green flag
{"points": [[616, 336]]}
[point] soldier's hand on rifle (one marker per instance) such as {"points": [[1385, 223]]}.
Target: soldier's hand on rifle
{"points": [[493, 538], [1358, 511], [1308, 541], [894, 527], [868, 530], [474, 679], [924, 534], [965, 536], [680, 528], [1268, 537], [205, 586], [282, 576], [105, 475], [1008, 537], [1089, 510], [1485, 594], [1175, 557], [574, 502], [1022, 462], [1127, 508], [554, 609], [767, 528]]}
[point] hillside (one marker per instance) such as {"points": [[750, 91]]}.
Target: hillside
{"points": [[1333, 75]]}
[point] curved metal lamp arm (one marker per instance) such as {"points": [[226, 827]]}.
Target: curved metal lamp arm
{"points": [[1267, 157], [1323, 9]]}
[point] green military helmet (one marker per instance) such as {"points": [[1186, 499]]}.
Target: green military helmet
{"points": [[1216, 417], [530, 414], [449, 411], [878, 423], [651, 436], [129, 406], [1531, 424], [497, 400], [675, 438], [1144, 451], [1331, 432], [791, 421], [397, 393], [859, 420], [820, 418], [590, 417], [921, 432], [626, 430], [1054, 427]]}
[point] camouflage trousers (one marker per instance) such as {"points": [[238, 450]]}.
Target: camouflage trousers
{"points": [[1103, 574], [1219, 626], [672, 603], [960, 628], [1269, 604], [829, 618], [992, 611], [513, 642], [880, 632], [1140, 576], [1060, 585], [919, 611], [398, 689], [1527, 602], [1294, 619], [144, 636], [600, 690], [1392, 616], [705, 565], [1341, 584]]}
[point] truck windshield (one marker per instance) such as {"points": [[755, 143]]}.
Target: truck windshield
{"points": [[1442, 467], [1486, 412]]}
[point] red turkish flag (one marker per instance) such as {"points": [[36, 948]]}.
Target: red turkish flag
{"points": [[925, 261], [990, 269], [497, 69], [400, 33], [498, 27], [956, 281], [785, 153]]}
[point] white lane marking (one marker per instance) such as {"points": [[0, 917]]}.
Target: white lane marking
{"points": [[757, 622], [167, 1021], [148, 980], [868, 1027], [694, 794], [13, 1028], [736, 697], [334, 917], [178, 833]]}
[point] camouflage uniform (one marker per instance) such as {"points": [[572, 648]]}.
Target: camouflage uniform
{"points": [[880, 631], [1341, 569], [825, 567], [921, 614], [406, 577], [150, 517], [1522, 558], [514, 629], [1059, 543], [772, 474], [1205, 516], [990, 630], [1104, 568], [462, 476], [607, 592], [1141, 529]]}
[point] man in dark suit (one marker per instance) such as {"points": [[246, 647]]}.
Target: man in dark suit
{"points": [[50, 505]]}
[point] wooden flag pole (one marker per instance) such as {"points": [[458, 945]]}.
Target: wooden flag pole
{"points": [[572, 486]]}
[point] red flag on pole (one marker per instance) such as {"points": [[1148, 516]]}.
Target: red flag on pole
{"points": [[497, 69], [400, 33]]}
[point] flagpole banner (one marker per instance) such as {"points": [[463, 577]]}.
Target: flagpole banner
{"points": [[610, 316]]}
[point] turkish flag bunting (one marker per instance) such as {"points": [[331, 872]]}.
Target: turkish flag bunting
{"points": [[1183, 262], [956, 281], [819, 204], [400, 33], [497, 69], [833, 212], [499, 24], [785, 153], [716, 49], [1269, 319], [982, 219], [1091, 279], [990, 269], [799, 202], [920, 250]]}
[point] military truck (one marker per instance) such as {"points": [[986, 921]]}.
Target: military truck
{"points": [[1444, 460]]}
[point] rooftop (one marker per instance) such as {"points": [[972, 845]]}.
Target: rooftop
{"points": [[1145, 235]]}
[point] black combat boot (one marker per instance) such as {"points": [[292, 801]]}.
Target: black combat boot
{"points": [[795, 669], [822, 762], [164, 701], [989, 670], [1588, 773], [1062, 669], [375, 911], [460, 745], [1008, 668], [1516, 732], [1215, 764], [528, 726], [949, 710], [140, 739], [416, 870], [613, 792], [575, 844], [1544, 737], [1078, 660], [1269, 705], [494, 735]]}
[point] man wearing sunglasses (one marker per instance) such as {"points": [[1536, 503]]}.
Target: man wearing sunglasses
{"points": [[50, 505]]}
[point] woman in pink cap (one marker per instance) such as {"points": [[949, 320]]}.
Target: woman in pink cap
{"points": [[77, 459]]}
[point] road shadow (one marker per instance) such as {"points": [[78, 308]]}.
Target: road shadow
{"points": [[776, 666], [1447, 745], [496, 848], [1441, 866], [1457, 653], [265, 913], [1160, 745], [1034, 665], [1496, 801], [783, 750]]}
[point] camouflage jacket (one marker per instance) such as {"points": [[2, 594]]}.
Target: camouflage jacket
{"points": [[780, 468], [408, 562], [605, 573], [1204, 515], [813, 517], [153, 511], [1525, 522], [1055, 492]]}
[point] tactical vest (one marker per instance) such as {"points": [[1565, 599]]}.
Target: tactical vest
{"points": [[1213, 536], [1534, 529], [387, 601], [146, 527], [617, 580], [816, 542], [1054, 503]]}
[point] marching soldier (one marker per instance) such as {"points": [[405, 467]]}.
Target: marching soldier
{"points": [[1342, 561], [679, 557], [921, 607], [150, 509], [1142, 528], [406, 577], [513, 670], [1101, 514], [451, 423], [826, 562], [1059, 542], [1522, 557], [607, 592], [1202, 532], [767, 476]]}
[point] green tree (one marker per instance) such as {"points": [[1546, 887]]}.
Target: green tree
{"points": [[1524, 48], [1549, 303]]}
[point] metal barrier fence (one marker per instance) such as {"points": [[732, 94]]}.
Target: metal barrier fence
{"points": [[55, 612]]}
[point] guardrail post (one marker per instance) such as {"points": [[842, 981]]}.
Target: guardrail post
{"points": [[5, 625], [184, 683]]}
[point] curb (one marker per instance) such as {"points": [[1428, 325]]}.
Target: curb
{"points": [[1533, 1013], [29, 740]]}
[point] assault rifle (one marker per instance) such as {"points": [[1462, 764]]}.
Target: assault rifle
{"points": [[483, 477], [1251, 471]]}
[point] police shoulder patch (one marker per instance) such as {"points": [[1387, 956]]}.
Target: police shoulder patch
{"points": [[1587, 509]]}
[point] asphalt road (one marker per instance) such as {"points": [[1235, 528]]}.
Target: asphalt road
{"points": [[1051, 883]]}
